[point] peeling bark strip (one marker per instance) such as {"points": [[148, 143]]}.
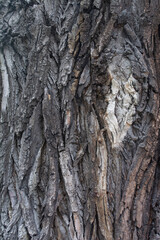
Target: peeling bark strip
{"points": [[79, 120]]}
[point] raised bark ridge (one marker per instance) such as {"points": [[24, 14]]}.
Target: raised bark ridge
{"points": [[79, 104]]}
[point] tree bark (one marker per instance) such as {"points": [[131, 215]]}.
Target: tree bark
{"points": [[79, 126]]}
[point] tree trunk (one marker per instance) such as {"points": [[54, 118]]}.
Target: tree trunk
{"points": [[79, 126]]}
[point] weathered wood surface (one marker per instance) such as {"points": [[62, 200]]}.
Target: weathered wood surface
{"points": [[79, 126]]}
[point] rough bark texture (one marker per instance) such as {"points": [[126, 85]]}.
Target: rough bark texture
{"points": [[79, 126]]}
